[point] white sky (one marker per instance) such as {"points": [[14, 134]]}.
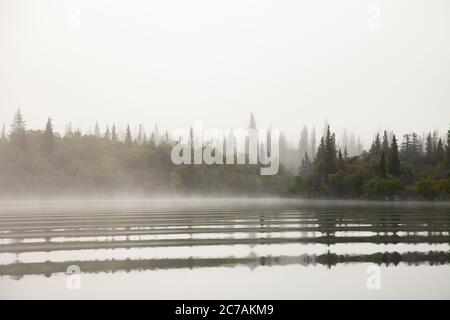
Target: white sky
{"points": [[177, 61]]}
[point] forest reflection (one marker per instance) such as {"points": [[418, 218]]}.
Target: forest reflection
{"points": [[328, 230]]}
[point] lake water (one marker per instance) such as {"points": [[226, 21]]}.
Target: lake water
{"points": [[224, 249]]}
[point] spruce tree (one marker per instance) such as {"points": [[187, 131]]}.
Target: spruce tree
{"points": [[140, 137], [440, 153], [406, 146], [411, 148], [394, 158], [375, 149], [303, 144], [341, 163], [330, 153], [49, 138], [385, 144], [305, 167], [107, 133], [320, 157], [152, 140], [312, 144], [144, 139], [3, 134], [128, 140], [429, 149], [114, 133], [97, 130], [252, 122], [382, 166], [18, 131], [326, 157]]}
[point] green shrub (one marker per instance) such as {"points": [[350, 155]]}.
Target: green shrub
{"points": [[379, 188]]}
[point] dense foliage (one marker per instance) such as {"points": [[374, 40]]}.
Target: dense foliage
{"points": [[42, 162], [415, 170]]}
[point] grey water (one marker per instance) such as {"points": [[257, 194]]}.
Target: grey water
{"points": [[224, 249]]}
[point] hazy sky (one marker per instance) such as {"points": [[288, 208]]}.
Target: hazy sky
{"points": [[176, 61]]}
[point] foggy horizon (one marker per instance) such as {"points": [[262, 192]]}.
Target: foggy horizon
{"points": [[293, 139], [290, 63]]}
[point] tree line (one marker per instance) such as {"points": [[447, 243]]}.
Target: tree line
{"points": [[43, 162], [415, 169]]}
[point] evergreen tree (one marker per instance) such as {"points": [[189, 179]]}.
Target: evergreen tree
{"points": [[429, 149], [341, 163], [385, 143], [140, 137], [166, 137], [303, 144], [416, 147], [382, 166], [97, 130], [152, 140], [68, 129], [411, 149], [440, 153], [312, 144], [331, 153], [48, 138], [326, 157], [18, 131], [394, 158], [320, 157], [156, 135], [406, 145], [252, 123], [3, 134], [375, 149], [128, 139], [359, 146], [114, 133], [306, 166], [107, 133], [144, 139]]}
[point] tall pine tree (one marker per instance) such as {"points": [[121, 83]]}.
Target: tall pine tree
{"points": [[48, 142], [18, 131], [128, 140], [429, 149], [375, 149], [3, 137], [114, 133], [440, 153], [385, 143], [394, 158], [382, 166]]}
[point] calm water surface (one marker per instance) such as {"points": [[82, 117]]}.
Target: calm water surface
{"points": [[213, 249]]}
